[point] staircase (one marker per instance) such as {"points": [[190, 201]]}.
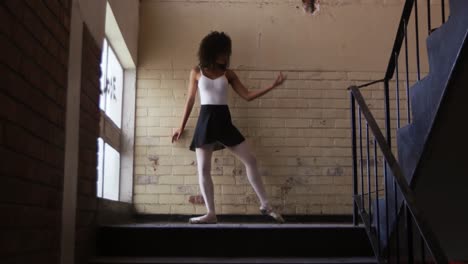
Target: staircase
{"points": [[444, 46], [156, 242], [432, 150]]}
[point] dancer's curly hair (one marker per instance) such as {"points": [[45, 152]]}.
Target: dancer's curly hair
{"points": [[212, 45]]}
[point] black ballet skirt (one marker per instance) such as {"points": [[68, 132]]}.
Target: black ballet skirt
{"points": [[214, 126]]}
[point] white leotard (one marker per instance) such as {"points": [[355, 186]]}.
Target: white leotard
{"points": [[213, 91]]}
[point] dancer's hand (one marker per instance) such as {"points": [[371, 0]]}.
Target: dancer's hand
{"points": [[177, 134], [279, 80]]}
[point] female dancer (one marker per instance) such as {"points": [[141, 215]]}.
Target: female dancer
{"points": [[214, 130]]}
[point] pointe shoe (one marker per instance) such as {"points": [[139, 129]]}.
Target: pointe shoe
{"points": [[271, 212], [197, 220]]}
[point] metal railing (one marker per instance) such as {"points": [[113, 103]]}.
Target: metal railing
{"points": [[412, 214], [396, 240]]}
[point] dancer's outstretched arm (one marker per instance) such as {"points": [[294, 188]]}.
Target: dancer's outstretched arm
{"points": [[251, 95]]}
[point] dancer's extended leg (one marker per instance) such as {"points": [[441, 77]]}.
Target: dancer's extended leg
{"points": [[243, 152]]}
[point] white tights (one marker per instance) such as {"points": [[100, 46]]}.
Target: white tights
{"points": [[242, 151]]}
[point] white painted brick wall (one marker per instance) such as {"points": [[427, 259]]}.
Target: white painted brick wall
{"points": [[300, 133]]}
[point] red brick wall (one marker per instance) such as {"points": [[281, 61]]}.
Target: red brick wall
{"points": [[34, 45], [89, 132]]}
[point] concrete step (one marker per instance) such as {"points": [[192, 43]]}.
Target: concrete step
{"points": [[208, 260], [410, 147], [233, 240]]}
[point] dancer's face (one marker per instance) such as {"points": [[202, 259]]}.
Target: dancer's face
{"points": [[222, 59]]}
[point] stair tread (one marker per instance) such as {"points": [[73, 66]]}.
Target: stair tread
{"points": [[230, 260], [169, 225], [409, 150], [420, 103]]}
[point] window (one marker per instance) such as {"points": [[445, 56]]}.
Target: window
{"points": [[110, 125]]}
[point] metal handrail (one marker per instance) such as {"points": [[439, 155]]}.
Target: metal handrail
{"points": [[401, 36], [408, 195]]}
